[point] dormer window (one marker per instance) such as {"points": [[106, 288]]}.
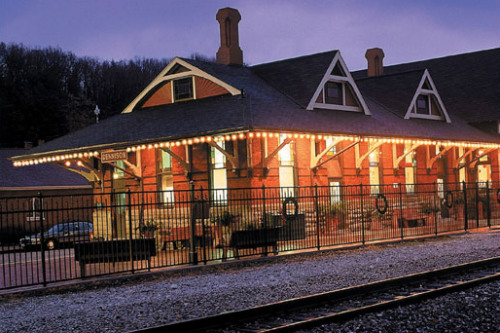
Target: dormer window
{"points": [[337, 90], [183, 89], [426, 103]]}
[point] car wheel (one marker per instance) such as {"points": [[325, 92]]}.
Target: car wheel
{"points": [[50, 244]]}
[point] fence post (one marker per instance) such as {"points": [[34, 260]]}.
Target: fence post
{"points": [[466, 214], [193, 256], [488, 208], [264, 217], [477, 204], [318, 245], [401, 219], [203, 217], [362, 215], [42, 238], [130, 242], [435, 209]]}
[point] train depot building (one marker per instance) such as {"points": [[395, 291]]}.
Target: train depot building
{"points": [[293, 123]]}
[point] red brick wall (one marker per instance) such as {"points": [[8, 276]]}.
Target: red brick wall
{"points": [[252, 174]]}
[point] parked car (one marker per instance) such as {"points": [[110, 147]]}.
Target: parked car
{"points": [[61, 234]]}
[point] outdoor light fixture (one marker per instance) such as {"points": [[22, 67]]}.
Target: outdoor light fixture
{"points": [[262, 134]]}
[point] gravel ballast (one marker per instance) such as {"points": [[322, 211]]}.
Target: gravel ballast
{"points": [[124, 306]]}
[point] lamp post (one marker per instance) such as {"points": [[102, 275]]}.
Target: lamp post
{"points": [[97, 111]]}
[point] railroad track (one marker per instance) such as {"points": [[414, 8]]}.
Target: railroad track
{"points": [[342, 304]]}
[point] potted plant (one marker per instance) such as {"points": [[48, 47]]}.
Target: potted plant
{"points": [[379, 220], [147, 228], [331, 216]]}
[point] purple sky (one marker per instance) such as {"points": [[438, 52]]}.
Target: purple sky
{"points": [[269, 30]]}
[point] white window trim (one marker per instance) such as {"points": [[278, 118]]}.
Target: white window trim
{"points": [[337, 59], [172, 90], [428, 92], [163, 77]]}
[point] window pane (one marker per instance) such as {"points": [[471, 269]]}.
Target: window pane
{"points": [[328, 142], [165, 161], [183, 89], [423, 104], [333, 93], [334, 192], [286, 176], [285, 154], [218, 158], [119, 173]]}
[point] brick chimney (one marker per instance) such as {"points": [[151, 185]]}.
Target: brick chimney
{"points": [[375, 59], [229, 51]]}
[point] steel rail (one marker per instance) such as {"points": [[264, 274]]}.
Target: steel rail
{"points": [[235, 318]]}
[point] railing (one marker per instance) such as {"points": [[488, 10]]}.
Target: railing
{"points": [[136, 231]]}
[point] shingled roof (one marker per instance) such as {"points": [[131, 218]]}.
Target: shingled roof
{"points": [[297, 78], [469, 83], [274, 97], [37, 177]]}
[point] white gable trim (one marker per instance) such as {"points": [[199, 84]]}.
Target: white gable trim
{"points": [[348, 78], [193, 71], [432, 92]]}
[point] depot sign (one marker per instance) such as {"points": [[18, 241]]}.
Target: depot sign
{"points": [[113, 156]]}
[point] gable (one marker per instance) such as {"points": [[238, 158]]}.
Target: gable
{"points": [[337, 90], [180, 81], [426, 103]]}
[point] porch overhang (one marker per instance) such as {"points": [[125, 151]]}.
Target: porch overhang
{"points": [[85, 152]]}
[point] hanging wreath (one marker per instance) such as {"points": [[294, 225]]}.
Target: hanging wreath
{"points": [[382, 210]]}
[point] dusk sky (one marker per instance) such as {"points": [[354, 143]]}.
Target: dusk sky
{"points": [[269, 30]]}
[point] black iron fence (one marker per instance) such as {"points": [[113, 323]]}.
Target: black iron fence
{"points": [[46, 239]]}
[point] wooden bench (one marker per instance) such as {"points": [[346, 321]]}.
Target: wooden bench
{"points": [[116, 250], [253, 239], [411, 218]]}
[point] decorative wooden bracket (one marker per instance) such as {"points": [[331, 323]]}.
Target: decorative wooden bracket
{"points": [[473, 163], [430, 161], [337, 154], [397, 159], [359, 160], [185, 165], [270, 156], [231, 158], [316, 158], [88, 173], [458, 160]]}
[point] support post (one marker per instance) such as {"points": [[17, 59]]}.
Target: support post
{"points": [[488, 208], [466, 215], [203, 232], [362, 215], [130, 242], [435, 209], [193, 256], [318, 245], [477, 205], [401, 219], [42, 239], [264, 218]]}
